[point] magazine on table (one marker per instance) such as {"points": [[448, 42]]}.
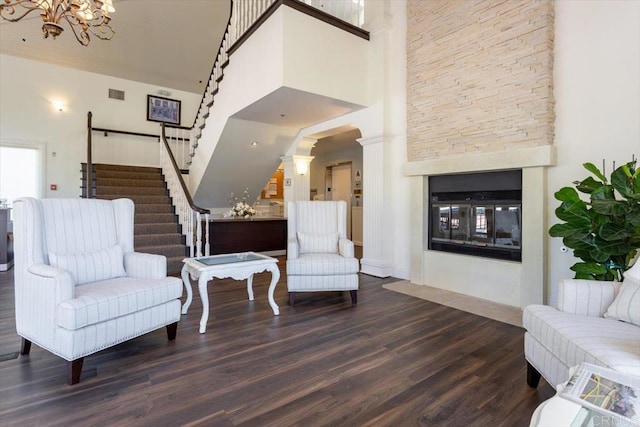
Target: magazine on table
{"points": [[607, 391]]}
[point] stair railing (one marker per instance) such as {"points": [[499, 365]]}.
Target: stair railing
{"points": [[190, 216]]}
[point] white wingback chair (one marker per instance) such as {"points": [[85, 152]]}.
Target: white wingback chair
{"points": [[79, 286], [319, 255]]}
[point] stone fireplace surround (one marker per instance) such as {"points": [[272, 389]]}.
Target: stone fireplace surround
{"points": [[505, 282]]}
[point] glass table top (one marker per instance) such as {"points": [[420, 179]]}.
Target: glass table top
{"points": [[231, 258]]}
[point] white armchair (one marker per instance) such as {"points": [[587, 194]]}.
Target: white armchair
{"points": [[319, 255], [595, 322], [79, 286]]}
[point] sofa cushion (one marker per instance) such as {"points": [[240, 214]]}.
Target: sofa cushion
{"points": [[575, 339], [326, 243], [321, 264], [101, 301], [626, 305], [93, 266]]}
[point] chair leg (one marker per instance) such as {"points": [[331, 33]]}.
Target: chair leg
{"points": [[74, 368], [533, 376], [25, 348], [172, 330], [354, 297], [292, 298]]}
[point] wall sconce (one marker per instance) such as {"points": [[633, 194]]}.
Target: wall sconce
{"points": [[58, 105], [302, 167]]}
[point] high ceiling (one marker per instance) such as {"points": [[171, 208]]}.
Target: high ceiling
{"points": [[166, 43]]}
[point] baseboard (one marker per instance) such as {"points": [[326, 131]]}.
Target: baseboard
{"points": [[7, 266], [376, 268]]}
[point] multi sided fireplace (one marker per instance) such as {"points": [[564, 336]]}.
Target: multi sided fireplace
{"points": [[477, 214]]}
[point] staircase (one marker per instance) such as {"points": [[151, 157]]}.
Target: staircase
{"points": [[157, 230]]}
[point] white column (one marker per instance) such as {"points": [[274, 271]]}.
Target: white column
{"points": [[377, 259], [534, 236]]}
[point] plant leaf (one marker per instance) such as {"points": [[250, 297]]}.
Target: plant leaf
{"points": [[623, 181], [609, 207], [594, 170], [588, 268], [614, 232], [567, 194], [615, 247], [568, 230], [589, 185]]}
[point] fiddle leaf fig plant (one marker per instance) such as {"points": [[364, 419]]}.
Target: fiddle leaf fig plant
{"points": [[604, 232]]}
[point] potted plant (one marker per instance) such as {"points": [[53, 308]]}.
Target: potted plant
{"points": [[603, 232]]}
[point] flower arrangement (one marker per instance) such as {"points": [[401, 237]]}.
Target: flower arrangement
{"points": [[240, 209]]}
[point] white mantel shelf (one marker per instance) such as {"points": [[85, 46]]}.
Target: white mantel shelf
{"points": [[512, 159]]}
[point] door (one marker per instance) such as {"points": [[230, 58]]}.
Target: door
{"points": [[341, 188]]}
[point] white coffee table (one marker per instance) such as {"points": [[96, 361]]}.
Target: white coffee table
{"points": [[238, 266]]}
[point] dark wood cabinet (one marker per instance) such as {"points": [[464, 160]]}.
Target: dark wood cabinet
{"points": [[243, 235]]}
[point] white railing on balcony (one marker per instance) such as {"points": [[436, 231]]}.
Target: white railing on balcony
{"points": [[246, 12], [190, 216]]}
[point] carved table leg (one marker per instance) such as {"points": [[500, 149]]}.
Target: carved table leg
{"points": [[204, 296], [187, 285], [275, 276], [250, 287]]}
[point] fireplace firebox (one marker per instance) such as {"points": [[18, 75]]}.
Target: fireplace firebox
{"points": [[477, 214]]}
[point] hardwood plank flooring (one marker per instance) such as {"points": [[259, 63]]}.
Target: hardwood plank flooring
{"points": [[393, 360]]}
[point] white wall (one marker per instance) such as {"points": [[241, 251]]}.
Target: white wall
{"points": [[27, 90], [597, 91]]}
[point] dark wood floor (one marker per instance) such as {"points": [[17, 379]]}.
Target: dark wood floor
{"points": [[393, 360]]}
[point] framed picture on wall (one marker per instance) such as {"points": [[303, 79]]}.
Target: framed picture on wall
{"points": [[163, 110]]}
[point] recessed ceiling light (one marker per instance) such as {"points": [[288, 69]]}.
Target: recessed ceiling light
{"points": [[254, 144], [282, 115]]}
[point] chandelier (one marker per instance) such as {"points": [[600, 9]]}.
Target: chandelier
{"points": [[83, 16]]}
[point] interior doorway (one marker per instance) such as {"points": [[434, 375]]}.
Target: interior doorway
{"points": [[339, 148], [21, 172], [339, 187]]}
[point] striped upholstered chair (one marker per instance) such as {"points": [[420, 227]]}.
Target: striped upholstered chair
{"points": [[79, 285], [319, 255], [596, 322]]}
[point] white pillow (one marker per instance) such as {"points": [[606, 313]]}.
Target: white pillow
{"points": [[626, 305], [91, 267], [318, 243]]}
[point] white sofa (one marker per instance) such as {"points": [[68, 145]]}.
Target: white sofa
{"points": [[595, 322], [79, 285]]}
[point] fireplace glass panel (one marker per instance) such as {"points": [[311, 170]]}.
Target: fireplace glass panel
{"points": [[460, 223], [508, 225], [441, 217], [482, 222]]}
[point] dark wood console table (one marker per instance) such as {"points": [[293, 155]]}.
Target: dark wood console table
{"points": [[227, 235]]}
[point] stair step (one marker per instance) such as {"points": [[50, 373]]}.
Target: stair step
{"points": [[154, 218], [158, 239], [143, 208], [140, 229], [168, 250], [109, 174], [137, 199], [126, 182], [105, 166], [131, 191]]}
